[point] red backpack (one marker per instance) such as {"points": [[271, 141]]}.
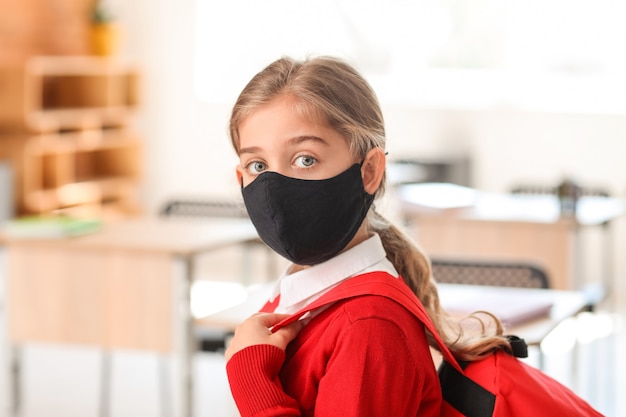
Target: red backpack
{"points": [[499, 385]]}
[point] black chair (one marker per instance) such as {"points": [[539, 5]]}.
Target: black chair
{"points": [[543, 189], [522, 275]]}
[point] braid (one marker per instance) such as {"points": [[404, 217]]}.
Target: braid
{"points": [[415, 269]]}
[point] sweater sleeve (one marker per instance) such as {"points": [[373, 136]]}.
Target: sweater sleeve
{"points": [[375, 371], [254, 383]]}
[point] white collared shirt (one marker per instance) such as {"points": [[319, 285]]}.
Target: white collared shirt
{"points": [[303, 287]]}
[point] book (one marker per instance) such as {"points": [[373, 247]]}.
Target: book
{"points": [[49, 227]]}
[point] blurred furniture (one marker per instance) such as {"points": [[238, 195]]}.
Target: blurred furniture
{"points": [[65, 126], [544, 189], [565, 304], [203, 208], [208, 337], [596, 292], [449, 221], [493, 274], [500, 274], [212, 208], [125, 287], [6, 192], [511, 301]]}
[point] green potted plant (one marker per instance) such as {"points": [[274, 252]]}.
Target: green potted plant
{"points": [[104, 31]]}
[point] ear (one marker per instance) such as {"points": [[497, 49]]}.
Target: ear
{"points": [[239, 174], [373, 169]]}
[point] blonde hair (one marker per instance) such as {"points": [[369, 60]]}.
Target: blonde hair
{"points": [[331, 89]]}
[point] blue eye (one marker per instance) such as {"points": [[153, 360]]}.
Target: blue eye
{"points": [[305, 161], [256, 167]]}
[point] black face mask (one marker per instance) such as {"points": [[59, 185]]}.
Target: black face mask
{"points": [[307, 221]]}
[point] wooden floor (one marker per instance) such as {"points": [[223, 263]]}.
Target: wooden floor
{"points": [[65, 381]]}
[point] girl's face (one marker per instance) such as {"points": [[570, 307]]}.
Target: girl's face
{"points": [[276, 137]]}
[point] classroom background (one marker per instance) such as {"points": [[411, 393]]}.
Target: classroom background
{"points": [[489, 95]]}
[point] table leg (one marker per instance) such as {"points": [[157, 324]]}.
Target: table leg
{"points": [[104, 406], [14, 386], [184, 345], [165, 392], [11, 366], [608, 273]]}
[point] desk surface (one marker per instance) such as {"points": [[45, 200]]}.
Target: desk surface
{"points": [[438, 198], [175, 236], [565, 304]]}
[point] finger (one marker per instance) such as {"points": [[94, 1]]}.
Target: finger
{"points": [[289, 332], [270, 319]]}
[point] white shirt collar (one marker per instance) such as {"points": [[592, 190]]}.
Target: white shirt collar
{"points": [[303, 287]]}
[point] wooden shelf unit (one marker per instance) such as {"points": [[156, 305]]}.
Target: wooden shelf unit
{"points": [[65, 129]]}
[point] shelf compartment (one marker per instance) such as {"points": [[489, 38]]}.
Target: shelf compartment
{"points": [[80, 168], [53, 93], [113, 161]]}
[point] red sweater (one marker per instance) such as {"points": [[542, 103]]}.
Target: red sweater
{"points": [[363, 357]]}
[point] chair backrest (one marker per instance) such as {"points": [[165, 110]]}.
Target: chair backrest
{"points": [[533, 189], [203, 208], [543, 189], [502, 274]]}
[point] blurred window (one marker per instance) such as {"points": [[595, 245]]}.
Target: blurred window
{"points": [[552, 55]]}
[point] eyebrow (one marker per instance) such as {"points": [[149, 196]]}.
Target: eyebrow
{"points": [[293, 141], [306, 138], [250, 149]]}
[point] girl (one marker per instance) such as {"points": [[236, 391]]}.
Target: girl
{"points": [[311, 139]]}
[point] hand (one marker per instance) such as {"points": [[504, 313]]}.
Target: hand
{"points": [[256, 331]]}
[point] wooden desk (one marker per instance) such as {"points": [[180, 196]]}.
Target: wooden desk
{"points": [[450, 221], [127, 286]]}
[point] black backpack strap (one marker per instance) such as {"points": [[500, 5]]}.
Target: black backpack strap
{"points": [[463, 394], [519, 348], [467, 396]]}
